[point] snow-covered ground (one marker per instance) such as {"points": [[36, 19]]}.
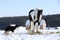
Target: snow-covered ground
{"points": [[21, 34]]}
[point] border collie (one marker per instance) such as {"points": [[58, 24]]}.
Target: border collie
{"points": [[11, 28]]}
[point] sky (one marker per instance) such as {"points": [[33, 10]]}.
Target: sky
{"points": [[22, 7]]}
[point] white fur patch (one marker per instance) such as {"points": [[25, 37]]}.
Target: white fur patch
{"points": [[12, 24], [34, 13], [40, 18], [43, 24]]}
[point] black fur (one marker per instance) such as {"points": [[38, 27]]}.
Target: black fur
{"points": [[10, 28]]}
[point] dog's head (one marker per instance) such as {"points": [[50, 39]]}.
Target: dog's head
{"points": [[35, 14]]}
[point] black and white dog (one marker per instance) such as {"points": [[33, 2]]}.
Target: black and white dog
{"points": [[35, 16], [11, 28]]}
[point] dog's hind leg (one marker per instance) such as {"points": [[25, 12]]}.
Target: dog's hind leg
{"points": [[6, 32]]}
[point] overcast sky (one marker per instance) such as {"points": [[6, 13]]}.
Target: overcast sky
{"points": [[22, 7]]}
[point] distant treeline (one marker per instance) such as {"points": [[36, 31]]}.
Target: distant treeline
{"points": [[5, 21], [51, 20]]}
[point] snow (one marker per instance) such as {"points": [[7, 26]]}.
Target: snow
{"points": [[58, 28], [20, 34]]}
